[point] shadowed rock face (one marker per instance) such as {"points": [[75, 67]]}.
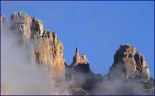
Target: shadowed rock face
{"points": [[78, 72], [141, 66], [130, 62], [80, 62], [46, 48], [82, 68]]}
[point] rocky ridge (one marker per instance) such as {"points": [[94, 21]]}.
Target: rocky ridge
{"points": [[47, 50], [132, 62]]}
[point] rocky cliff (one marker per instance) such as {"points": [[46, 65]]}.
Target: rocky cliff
{"points": [[46, 50], [80, 62], [131, 62]]}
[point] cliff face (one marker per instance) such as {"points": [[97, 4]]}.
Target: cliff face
{"points": [[46, 48], [130, 62]]}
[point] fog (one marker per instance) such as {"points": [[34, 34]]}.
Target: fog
{"points": [[118, 84], [18, 74]]}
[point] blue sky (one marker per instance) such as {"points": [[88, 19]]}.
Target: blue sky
{"points": [[96, 28]]}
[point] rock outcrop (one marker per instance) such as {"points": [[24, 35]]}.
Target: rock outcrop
{"points": [[46, 48], [80, 62], [130, 62], [78, 73], [129, 74], [141, 66]]}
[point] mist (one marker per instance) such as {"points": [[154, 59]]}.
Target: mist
{"points": [[18, 74], [116, 83]]}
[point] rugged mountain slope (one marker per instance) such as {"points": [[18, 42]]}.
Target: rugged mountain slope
{"points": [[46, 48], [128, 70], [130, 66], [43, 47], [131, 62]]}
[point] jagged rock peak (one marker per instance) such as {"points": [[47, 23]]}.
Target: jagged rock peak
{"points": [[80, 62], [46, 48], [21, 25], [19, 14], [76, 50], [131, 61], [79, 59], [37, 27], [125, 50]]}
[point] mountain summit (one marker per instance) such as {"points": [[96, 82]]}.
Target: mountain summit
{"points": [[128, 75], [131, 61]]}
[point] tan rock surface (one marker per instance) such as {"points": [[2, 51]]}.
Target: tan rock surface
{"points": [[47, 49], [131, 61]]}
